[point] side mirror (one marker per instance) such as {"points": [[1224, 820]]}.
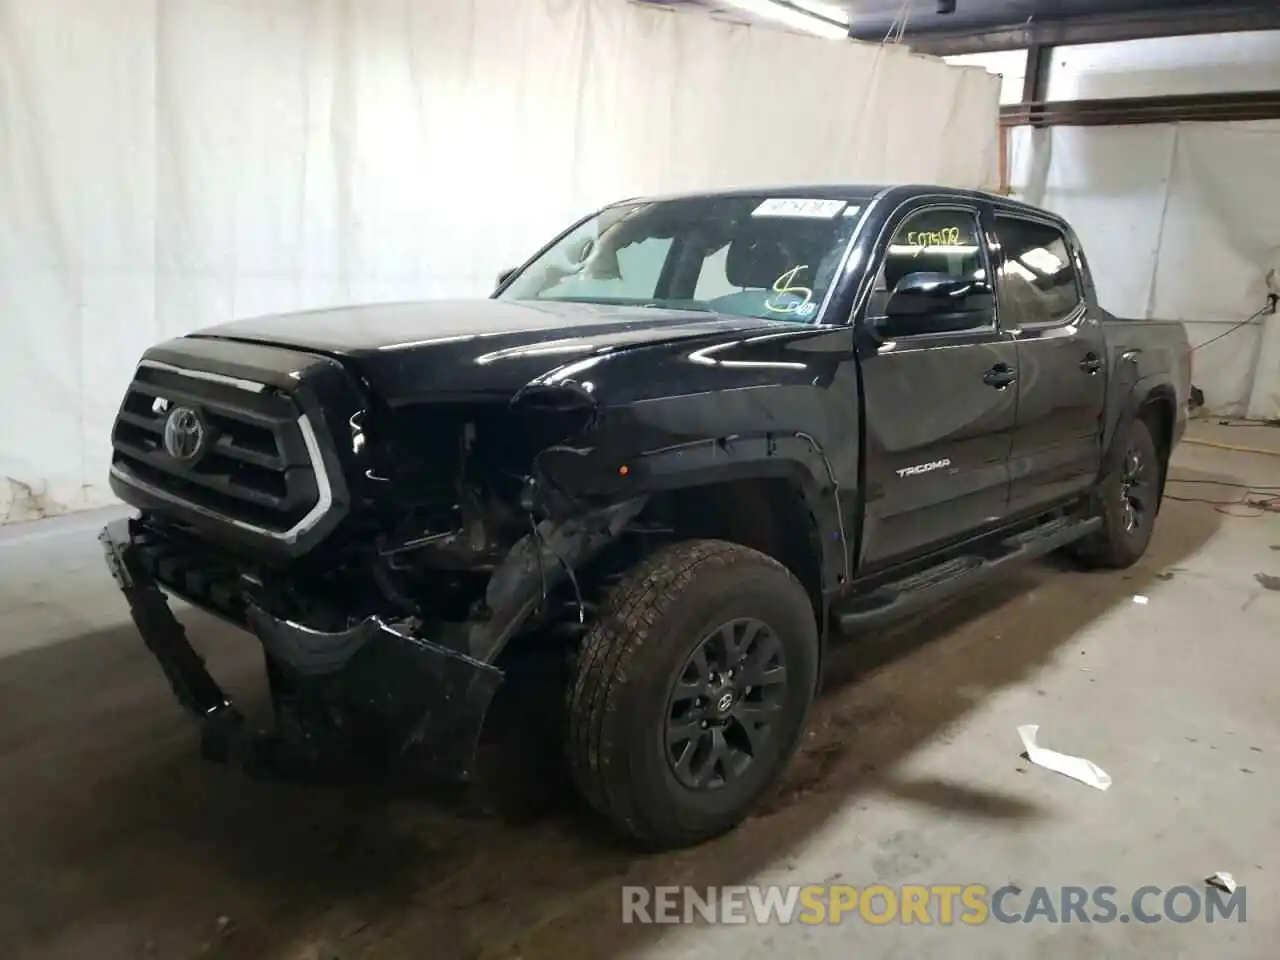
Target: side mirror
{"points": [[506, 275], [936, 303]]}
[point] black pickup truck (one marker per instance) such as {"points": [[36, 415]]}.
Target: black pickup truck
{"points": [[684, 444]]}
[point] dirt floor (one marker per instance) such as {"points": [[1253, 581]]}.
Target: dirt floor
{"points": [[118, 842]]}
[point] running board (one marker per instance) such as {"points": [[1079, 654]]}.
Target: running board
{"points": [[921, 590]]}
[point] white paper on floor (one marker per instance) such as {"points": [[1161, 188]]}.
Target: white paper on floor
{"points": [[1077, 768], [1223, 881]]}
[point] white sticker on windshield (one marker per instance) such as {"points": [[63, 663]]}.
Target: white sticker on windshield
{"points": [[799, 207], [852, 210]]}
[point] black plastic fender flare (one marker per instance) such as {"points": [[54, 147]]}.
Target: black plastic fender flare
{"points": [[794, 456], [1139, 393]]}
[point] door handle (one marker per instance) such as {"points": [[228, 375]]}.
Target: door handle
{"points": [[1091, 363], [1000, 376]]}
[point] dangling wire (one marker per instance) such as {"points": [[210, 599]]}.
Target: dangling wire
{"points": [[577, 591], [899, 25], [537, 552], [538, 543]]}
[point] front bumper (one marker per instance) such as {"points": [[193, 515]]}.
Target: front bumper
{"points": [[366, 700]]}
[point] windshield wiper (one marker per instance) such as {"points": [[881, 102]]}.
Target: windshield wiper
{"points": [[692, 307]]}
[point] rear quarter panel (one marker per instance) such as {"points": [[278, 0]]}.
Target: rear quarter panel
{"points": [[1147, 358], [1144, 358]]}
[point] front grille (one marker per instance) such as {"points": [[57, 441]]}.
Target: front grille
{"points": [[258, 466]]}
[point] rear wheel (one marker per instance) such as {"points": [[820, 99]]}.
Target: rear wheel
{"points": [[1130, 495], [692, 691]]}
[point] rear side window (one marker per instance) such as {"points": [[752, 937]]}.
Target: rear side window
{"points": [[1038, 282]]}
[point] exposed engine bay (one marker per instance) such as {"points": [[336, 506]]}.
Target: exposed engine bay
{"points": [[454, 524], [457, 503]]}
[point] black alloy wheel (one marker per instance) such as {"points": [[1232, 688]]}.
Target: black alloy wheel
{"points": [[1128, 500], [723, 705], [1138, 490]]}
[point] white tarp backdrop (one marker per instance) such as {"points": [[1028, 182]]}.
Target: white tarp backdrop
{"points": [[1181, 222], [166, 166]]}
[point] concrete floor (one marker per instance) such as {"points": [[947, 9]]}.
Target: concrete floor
{"points": [[118, 842]]}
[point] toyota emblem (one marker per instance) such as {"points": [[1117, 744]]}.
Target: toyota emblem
{"points": [[184, 434]]}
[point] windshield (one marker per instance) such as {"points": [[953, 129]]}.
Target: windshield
{"points": [[752, 256]]}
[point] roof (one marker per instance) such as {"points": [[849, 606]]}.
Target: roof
{"points": [[854, 193], [829, 191]]}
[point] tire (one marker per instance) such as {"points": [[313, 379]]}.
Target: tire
{"points": [[1130, 496], [623, 698]]}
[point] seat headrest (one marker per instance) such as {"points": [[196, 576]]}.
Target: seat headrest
{"points": [[757, 259], [895, 268]]}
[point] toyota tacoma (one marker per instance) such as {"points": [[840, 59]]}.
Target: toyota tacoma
{"points": [[683, 445]]}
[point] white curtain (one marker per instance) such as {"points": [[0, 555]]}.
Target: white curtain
{"points": [[169, 165], [1181, 223]]}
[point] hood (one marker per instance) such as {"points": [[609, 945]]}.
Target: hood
{"points": [[413, 351]]}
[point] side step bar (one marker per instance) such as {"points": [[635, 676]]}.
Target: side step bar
{"points": [[922, 590]]}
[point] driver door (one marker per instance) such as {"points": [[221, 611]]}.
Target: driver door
{"points": [[939, 384]]}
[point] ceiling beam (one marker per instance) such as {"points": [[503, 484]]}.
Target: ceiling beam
{"points": [[1035, 81], [1231, 17], [1126, 111]]}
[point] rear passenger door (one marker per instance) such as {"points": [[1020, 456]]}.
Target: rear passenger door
{"points": [[1057, 443], [939, 391]]}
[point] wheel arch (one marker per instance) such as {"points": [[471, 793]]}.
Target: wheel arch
{"points": [[1154, 402], [784, 472], [766, 513], [776, 493]]}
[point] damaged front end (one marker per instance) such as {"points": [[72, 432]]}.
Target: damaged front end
{"points": [[382, 643], [349, 702]]}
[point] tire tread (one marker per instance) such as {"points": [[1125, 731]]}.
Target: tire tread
{"points": [[608, 660]]}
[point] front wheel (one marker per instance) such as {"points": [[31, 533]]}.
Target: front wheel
{"points": [[1130, 496], [692, 691]]}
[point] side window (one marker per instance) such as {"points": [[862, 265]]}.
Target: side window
{"points": [[934, 278], [1038, 281]]}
